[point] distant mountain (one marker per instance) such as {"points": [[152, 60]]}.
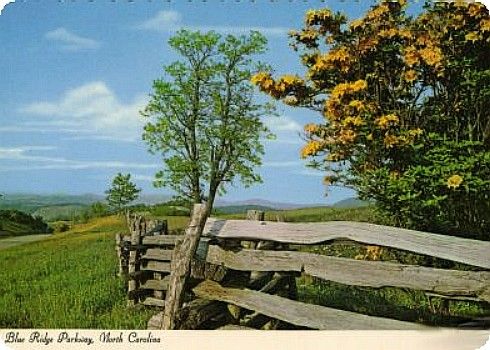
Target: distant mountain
{"points": [[351, 203], [264, 203], [29, 203], [153, 198], [60, 212]]}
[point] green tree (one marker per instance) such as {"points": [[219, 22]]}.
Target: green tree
{"points": [[204, 119], [122, 192]]}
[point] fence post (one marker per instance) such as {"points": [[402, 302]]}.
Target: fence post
{"points": [[159, 228], [136, 225], [119, 253], [181, 263]]}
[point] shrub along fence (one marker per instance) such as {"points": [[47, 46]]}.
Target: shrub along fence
{"points": [[241, 274]]}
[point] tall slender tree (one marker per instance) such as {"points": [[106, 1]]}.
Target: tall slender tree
{"points": [[203, 117]]}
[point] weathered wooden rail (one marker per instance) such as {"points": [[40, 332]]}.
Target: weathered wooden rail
{"points": [[241, 274], [144, 260]]}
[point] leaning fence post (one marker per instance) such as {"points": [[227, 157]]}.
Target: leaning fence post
{"points": [[135, 227], [119, 253], [181, 263]]}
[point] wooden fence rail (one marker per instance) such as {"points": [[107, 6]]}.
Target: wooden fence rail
{"points": [[144, 259], [240, 274]]}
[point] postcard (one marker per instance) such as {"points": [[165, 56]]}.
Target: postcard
{"points": [[272, 174]]}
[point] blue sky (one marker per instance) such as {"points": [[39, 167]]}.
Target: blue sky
{"points": [[74, 75]]}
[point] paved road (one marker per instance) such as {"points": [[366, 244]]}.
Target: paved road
{"points": [[13, 241]]}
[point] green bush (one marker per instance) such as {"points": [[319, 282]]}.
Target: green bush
{"points": [[60, 226], [446, 191]]}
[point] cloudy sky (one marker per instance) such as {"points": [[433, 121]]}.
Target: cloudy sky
{"points": [[74, 75]]}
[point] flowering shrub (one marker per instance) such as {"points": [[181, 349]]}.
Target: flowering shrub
{"points": [[397, 95]]}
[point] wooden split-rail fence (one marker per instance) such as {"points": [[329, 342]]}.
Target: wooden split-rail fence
{"points": [[240, 274]]}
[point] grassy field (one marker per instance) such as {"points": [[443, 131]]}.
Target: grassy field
{"points": [[69, 281], [364, 214]]}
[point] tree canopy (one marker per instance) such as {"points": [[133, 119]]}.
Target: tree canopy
{"points": [[203, 118], [122, 192], [405, 106]]}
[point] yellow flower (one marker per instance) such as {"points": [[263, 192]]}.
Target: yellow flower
{"points": [[369, 137], [415, 132], [388, 33], [431, 55], [356, 24], [359, 105], [355, 121], [263, 80], [315, 16], [454, 181], [475, 9], [347, 136], [472, 36], [390, 141], [485, 25], [311, 128], [308, 34], [259, 77], [410, 76], [311, 149], [359, 85], [343, 89], [411, 56], [405, 33], [385, 120], [377, 12]]}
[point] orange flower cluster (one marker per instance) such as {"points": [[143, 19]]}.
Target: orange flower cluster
{"points": [[315, 17], [311, 149], [336, 106], [311, 128], [338, 58], [386, 121], [278, 88]]}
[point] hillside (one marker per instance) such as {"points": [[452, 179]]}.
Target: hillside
{"points": [[60, 212], [29, 203], [351, 203], [17, 223], [240, 209]]}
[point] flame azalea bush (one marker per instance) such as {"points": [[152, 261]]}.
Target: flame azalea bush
{"points": [[405, 105]]}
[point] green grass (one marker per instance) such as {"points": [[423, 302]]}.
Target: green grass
{"points": [[69, 281], [365, 214]]}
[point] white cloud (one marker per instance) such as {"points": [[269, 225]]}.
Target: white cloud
{"points": [[162, 21], [70, 41], [140, 177], [170, 21], [4, 3], [286, 129], [283, 123], [282, 164], [94, 110], [24, 155]]}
